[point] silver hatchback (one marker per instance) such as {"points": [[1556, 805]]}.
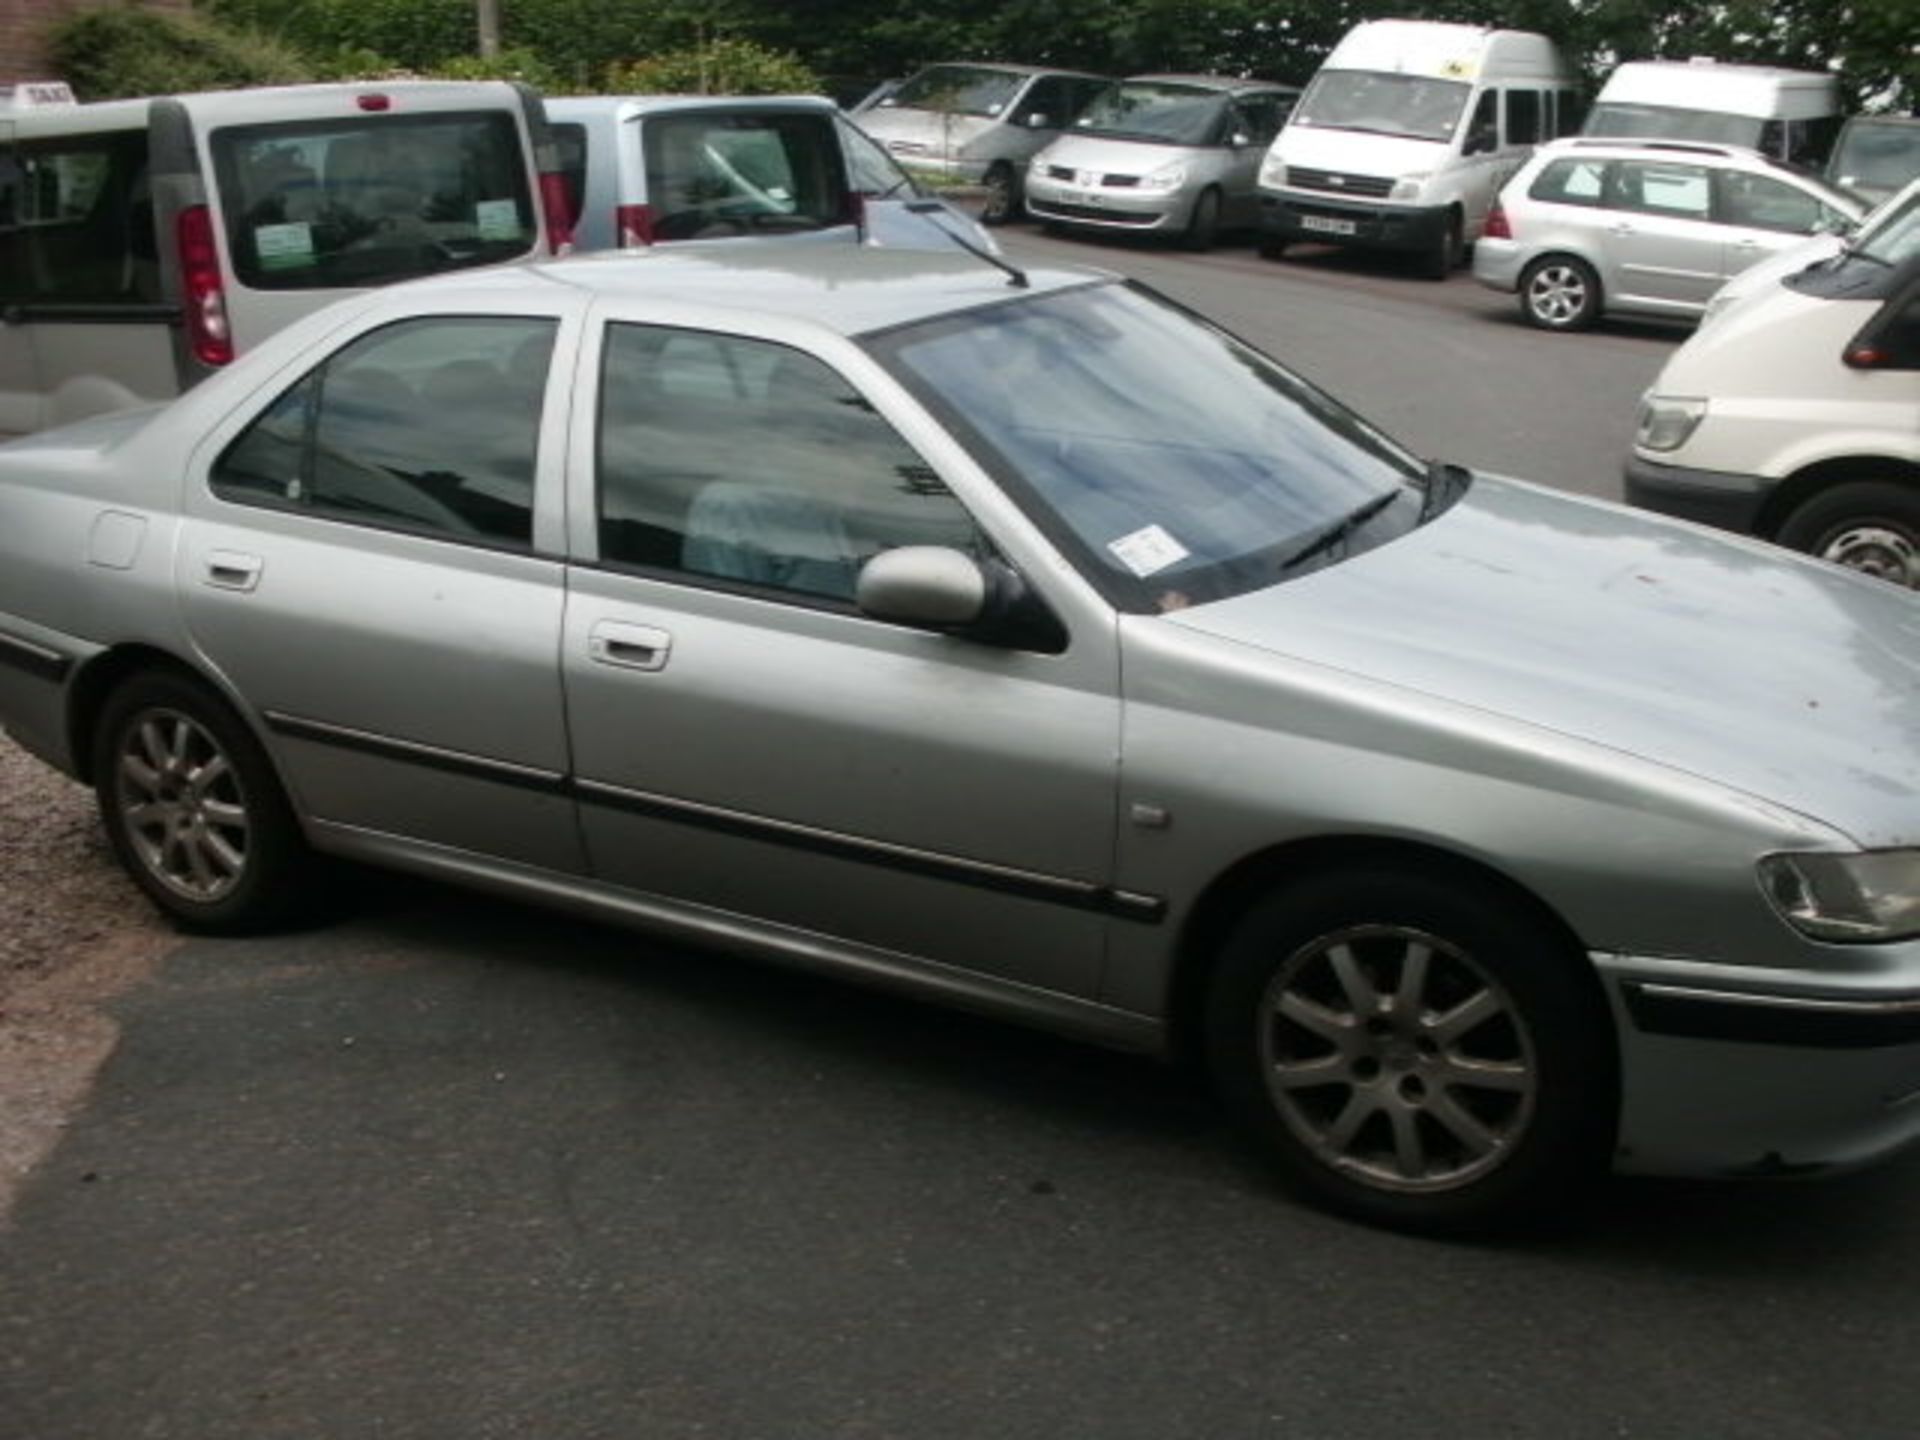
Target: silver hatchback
{"points": [[1593, 227]]}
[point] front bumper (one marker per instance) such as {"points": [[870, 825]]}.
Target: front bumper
{"points": [[1720, 1076], [1710, 497], [1292, 215], [1105, 207]]}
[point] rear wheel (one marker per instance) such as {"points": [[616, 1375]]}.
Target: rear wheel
{"points": [[1413, 1052], [1203, 223], [193, 809], [1002, 204], [1872, 526], [1558, 292]]}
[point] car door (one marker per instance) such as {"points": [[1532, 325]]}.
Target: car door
{"points": [[1252, 122], [1762, 215], [370, 558], [1664, 249], [746, 741]]}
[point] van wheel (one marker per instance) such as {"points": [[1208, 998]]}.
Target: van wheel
{"points": [[1273, 247], [193, 809], [1872, 526], [1412, 1051], [1448, 250], [1558, 292], [1002, 204], [1204, 223]]}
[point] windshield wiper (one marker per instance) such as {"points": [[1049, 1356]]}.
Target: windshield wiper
{"points": [[927, 209], [1339, 530]]}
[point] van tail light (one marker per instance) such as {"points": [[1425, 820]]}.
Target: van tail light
{"points": [[632, 226], [206, 298], [1497, 226], [558, 211]]}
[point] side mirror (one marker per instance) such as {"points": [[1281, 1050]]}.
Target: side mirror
{"points": [[1239, 140], [931, 587], [1482, 141], [1039, 120]]}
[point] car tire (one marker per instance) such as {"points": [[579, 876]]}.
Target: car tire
{"points": [[1003, 203], [1558, 292], [194, 811], [1414, 1051], [1445, 256], [1203, 222], [1872, 526], [1273, 247]]}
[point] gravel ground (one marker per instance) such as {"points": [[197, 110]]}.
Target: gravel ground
{"points": [[73, 934]]}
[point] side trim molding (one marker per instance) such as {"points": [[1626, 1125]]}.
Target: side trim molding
{"points": [[411, 752], [39, 661], [1798, 1020]]}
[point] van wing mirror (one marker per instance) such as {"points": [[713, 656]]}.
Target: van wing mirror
{"points": [[1039, 120], [1482, 140]]}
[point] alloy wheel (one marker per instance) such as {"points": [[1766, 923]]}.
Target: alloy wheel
{"points": [[1557, 295], [1877, 550], [181, 805]]}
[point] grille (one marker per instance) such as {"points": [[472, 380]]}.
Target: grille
{"points": [[1338, 182], [1091, 212], [1111, 182]]}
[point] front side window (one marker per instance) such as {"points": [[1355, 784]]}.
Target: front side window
{"points": [[1173, 463], [363, 202], [751, 463], [957, 90], [428, 425], [1679, 192], [1759, 202], [714, 174], [1156, 112], [1377, 103], [76, 221]]}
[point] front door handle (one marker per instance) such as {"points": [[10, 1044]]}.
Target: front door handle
{"points": [[631, 647], [232, 570]]}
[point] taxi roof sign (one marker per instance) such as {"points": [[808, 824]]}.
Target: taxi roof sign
{"points": [[35, 94]]}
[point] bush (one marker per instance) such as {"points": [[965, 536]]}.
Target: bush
{"points": [[514, 64], [120, 51], [720, 67]]}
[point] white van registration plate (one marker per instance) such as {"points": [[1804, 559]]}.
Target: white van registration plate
{"points": [[1327, 224]]}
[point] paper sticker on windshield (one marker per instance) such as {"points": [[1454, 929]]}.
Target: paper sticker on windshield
{"points": [[284, 247], [497, 219], [1148, 552]]}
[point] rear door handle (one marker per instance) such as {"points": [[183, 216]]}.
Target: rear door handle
{"points": [[232, 570], [631, 647]]}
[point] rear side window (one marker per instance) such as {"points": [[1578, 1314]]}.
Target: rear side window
{"points": [[718, 174], [428, 426], [1523, 117], [570, 145], [76, 222], [1682, 192], [1570, 182], [363, 202]]}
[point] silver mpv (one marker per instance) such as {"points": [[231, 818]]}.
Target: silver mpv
{"points": [[1025, 642]]}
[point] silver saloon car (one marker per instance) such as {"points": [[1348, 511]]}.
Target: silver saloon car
{"points": [[1022, 641]]}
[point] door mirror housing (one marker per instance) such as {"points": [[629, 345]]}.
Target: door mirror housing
{"points": [[932, 587], [1482, 140], [1239, 140], [1039, 120]]}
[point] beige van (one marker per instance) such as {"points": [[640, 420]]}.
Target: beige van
{"points": [[146, 242]]}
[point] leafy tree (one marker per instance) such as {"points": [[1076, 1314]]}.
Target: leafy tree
{"points": [[121, 50], [719, 67]]}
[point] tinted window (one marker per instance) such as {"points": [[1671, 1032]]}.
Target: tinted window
{"points": [[372, 200], [76, 221], [570, 144], [1763, 203], [719, 174], [1155, 111], [1669, 122], [1523, 117], [1261, 116], [755, 463], [1050, 96], [429, 425], [1658, 188], [1570, 182], [1570, 109]]}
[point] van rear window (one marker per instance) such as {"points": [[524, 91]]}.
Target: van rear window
{"points": [[351, 203], [76, 222]]}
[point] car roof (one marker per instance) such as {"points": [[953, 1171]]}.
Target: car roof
{"points": [[1232, 83], [1007, 66], [846, 289], [565, 107]]}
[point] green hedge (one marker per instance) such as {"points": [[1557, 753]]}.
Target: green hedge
{"points": [[120, 51]]}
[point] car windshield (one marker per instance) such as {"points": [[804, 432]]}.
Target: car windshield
{"points": [[372, 200], [1154, 111], [1892, 234], [1383, 104], [1882, 157], [957, 90], [1671, 122], [1173, 462]]}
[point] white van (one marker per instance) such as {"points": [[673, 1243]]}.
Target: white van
{"points": [[1406, 134], [144, 243], [1794, 411], [649, 169], [1788, 114]]}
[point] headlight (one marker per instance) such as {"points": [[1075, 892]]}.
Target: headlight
{"points": [[1866, 895], [1038, 164], [1408, 187], [1273, 172], [1167, 177], [1668, 421]]}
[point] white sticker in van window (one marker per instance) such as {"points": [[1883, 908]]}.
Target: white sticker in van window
{"points": [[1149, 551], [497, 219], [284, 247]]}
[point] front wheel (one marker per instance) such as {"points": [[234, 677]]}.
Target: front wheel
{"points": [[1002, 204], [1413, 1052], [1560, 293], [1448, 249], [1872, 526], [1203, 224], [193, 809]]}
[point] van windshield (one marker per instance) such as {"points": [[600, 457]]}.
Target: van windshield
{"points": [[1614, 120], [1893, 237], [1155, 112], [957, 89], [315, 205], [1880, 157], [1376, 103]]}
